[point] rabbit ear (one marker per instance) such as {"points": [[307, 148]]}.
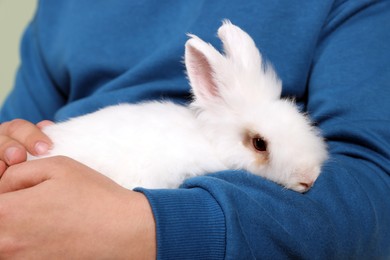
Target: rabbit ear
{"points": [[201, 59], [240, 48]]}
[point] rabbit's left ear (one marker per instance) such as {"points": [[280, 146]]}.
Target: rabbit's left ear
{"points": [[202, 61], [240, 48]]}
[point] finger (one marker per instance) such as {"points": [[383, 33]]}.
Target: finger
{"points": [[44, 123], [3, 167], [11, 152], [25, 175], [28, 135]]}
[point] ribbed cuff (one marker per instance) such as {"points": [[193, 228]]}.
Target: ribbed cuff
{"points": [[189, 224]]}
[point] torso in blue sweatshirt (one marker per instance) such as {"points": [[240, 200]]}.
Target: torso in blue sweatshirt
{"points": [[333, 56]]}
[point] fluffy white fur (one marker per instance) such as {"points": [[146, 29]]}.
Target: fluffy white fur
{"points": [[159, 144]]}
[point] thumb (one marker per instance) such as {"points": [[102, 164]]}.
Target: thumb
{"points": [[44, 123], [24, 175]]}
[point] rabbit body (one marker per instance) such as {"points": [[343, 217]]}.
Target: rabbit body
{"points": [[237, 120], [153, 144]]}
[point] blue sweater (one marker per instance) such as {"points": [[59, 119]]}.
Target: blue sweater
{"points": [[333, 56]]}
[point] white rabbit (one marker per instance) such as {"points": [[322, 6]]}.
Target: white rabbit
{"points": [[236, 121]]}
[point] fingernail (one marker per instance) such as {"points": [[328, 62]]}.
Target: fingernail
{"points": [[41, 148], [10, 154]]}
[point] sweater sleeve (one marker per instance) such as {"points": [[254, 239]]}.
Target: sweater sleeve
{"points": [[35, 96], [235, 215]]}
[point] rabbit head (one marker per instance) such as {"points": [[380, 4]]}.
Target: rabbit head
{"points": [[237, 102]]}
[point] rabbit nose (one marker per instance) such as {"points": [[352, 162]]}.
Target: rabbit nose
{"points": [[305, 186]]}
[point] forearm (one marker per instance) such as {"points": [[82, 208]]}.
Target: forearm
{"points": [[69, 211], [240, 216], [138, 231]]}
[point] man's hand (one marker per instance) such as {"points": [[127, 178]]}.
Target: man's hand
{"points": [[17, 137], [57, 208]]}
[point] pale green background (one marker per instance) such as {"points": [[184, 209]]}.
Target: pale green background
{"points": [[14, 16]]}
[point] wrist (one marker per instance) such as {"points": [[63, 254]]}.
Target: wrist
{"points": [[141, 228]]}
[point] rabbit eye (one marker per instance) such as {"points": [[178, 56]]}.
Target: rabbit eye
{"points": [[259, 144]]}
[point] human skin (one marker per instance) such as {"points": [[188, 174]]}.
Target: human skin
{"points": [[17, 137], [66, 210]]}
